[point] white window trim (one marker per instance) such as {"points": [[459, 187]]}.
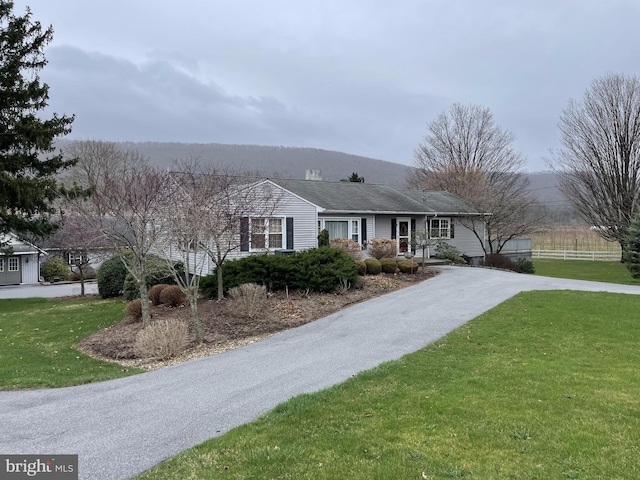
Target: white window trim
{"points": [[349, 221], [267, 233], [13, 264], [439, 229]]}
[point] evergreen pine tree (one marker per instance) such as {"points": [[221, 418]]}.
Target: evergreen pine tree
{"points": [[632, 248], [28, 161]]}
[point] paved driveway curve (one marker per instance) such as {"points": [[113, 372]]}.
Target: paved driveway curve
{"points": [[122, 427]]}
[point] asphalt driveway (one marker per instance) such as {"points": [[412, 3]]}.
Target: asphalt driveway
{"points": [[122, 427]]}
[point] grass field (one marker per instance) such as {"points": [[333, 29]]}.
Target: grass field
{"points": [[574, 238], [37, 338], [543, 386], [613, 272]]}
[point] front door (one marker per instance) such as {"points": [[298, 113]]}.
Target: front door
{"points": [[403, 234], [10, 271]]}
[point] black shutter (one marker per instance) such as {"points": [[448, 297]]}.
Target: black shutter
{"points": [[289, 233], [363, 233], [452, 230], [393, 229], [413, 235], [244, 234]]}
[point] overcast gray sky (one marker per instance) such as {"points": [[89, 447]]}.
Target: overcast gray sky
{"points": [[358, 76]]}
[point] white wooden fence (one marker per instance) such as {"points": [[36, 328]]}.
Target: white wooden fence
{"points": [[577, 255]]}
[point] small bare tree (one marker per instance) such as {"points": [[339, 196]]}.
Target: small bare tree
{"points": [[123, 205], [82, 244], [599, 163], [466, 154], [183, 234], [231, 203]]}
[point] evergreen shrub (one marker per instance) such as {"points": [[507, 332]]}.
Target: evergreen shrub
{"points": [[388, 265], [373, 266], [55, 269]]}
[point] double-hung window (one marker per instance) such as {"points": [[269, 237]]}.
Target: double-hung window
{"points": [[440, 228], [266, 233]]}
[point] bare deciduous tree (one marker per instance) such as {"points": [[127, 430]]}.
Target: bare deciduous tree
{"points": [[82, 244], [123, 206], [231, 201], [599, 163], [466, 154], [182, 233]]}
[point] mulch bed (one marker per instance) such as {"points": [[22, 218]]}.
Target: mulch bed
{"points": [[223, 329]]}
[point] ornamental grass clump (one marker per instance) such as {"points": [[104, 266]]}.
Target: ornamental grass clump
{"points": [[162, 340], [249, 298], [382, 248]]}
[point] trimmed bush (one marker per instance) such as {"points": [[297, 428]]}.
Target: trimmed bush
{"points": [[444, 251], [162, 339], [134, 309], [111, 275], [362, 267], [172, 296], [373, 266], [525, 266], [382, 248], [323, 269], [408, 266], [349, 246], [497, 260], [249, 298], [55, 269], [157, 272], [317, 270], [388, 265], [154, 293]]}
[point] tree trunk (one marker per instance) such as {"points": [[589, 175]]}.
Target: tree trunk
{"points": [[220, 284], [193, 303], [144, 301]]}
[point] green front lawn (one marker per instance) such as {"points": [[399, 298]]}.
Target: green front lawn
{"points": [[37, 338], [613, 272], [544, 386]]}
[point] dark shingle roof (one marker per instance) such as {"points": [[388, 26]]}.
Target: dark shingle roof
{"points": [[345, 197]]}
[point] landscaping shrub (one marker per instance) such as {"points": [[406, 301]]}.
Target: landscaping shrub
{"points": [[362, 267], [349, 246], [157, 272], [497, 260], [154, 293], [55, 269], [444, 251], [134, 309], [162, 339], [111, 275], [249, 298], [382, 248], [323, 238], [89, 273], [317, 269], [525, 266], [373, 266], [324, 269], [172, 296], [388, 265], [408, 266]]}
